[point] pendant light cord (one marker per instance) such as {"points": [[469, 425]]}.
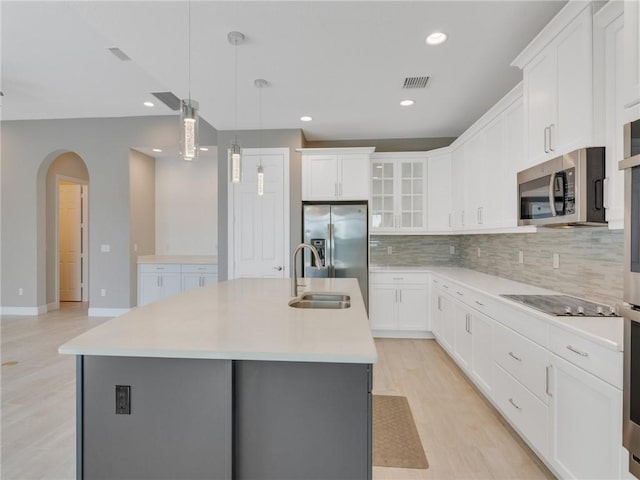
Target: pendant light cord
{"points": [[189, 51], [260, 121], [235, 93]]}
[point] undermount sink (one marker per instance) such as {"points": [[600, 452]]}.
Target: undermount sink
{"points": [[321, 300]]}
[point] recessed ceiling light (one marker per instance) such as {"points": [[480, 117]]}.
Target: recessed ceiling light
{"points": [[148, 104], [306, 118], [436, 38], [204, 149], [406, 103], [156, 150]]}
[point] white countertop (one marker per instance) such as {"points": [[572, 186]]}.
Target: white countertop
{"points": [[605, 331], [182, 259], [245, 319]]}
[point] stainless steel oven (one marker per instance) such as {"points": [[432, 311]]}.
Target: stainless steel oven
{"points": [[567, 190], [631, 295]]}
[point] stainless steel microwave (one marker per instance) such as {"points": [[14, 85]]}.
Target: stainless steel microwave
{"points": [[567, 190]]}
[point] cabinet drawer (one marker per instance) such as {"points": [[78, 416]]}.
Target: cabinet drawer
{"points": [[398, 277], [525, 324], [523, 359], [523, 409], [159, 267], [199, 268], [596, 359]]}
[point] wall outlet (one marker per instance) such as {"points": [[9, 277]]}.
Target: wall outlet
{"points": [[556, 260], [520, 256], [105, 248], [123, 399], [103, 292], [479, 252], [389, 250], [21, 291], [452, 249]]}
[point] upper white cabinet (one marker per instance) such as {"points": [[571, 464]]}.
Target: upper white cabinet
{"points": [[336, 173], [631, 88], [439, 190], [485, 160], [558, 85], [399, 192]]}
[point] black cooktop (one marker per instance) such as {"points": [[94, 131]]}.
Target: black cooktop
{"points": [[564, 305]]}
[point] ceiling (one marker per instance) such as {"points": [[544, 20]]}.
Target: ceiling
{"points": [[343, 63]]}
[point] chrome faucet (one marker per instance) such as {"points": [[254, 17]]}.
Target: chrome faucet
{"points": [[294, 266]]}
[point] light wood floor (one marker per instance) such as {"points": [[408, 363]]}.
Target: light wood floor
{"points": [[462, 435]]}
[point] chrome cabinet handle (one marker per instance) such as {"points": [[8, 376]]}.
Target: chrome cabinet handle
{"points": [[439, 303], [480, 303], [579, 352], [459, 293], [396, 296], [547, 376], [546, 148], [514, 357], [400, 295], [514, 404], [605, 192]]}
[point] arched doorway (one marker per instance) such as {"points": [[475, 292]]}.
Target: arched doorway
{"points": [[67, 254]]}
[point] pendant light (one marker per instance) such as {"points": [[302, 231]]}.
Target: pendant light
{"points": [[260, 83], [189, 118], [235, 39]]}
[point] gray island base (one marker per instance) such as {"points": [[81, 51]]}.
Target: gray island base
{"points": [[223, 419], [228, 381]]}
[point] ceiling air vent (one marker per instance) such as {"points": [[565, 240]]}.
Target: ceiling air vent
{"points": [[120, 54], [168, 98], [415, 82]]}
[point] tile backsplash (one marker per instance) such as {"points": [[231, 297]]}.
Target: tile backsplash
{"points": [[590, 259]]}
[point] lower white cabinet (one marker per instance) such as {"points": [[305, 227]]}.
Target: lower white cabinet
{"points": [[195, 276], [161, 280], [559, 390], [398, 302], [156, 281], [585, 422]]}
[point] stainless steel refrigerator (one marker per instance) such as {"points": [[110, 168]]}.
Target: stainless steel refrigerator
{"points": [[340, 233]]}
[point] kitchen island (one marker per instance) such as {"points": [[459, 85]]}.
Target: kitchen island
{"points": [[228, 381]]}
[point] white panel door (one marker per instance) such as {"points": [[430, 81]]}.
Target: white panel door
{"points": [[539, 84], [259, 223], [631, 88], [482, 350], [70, 242], [383, 302], [354, 176], [439, 192], [320, 177], [585, 423], [413, 308]]}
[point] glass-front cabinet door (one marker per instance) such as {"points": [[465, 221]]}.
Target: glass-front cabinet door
{"points": [[398, 192]]}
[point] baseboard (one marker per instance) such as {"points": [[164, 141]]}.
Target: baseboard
{"points": [[24, 311], [53, 306], [107, 312], [401, 334]]}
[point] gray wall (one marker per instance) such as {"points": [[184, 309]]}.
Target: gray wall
{"points": [[70, 165], [590, 258], [386, 144], [28, 148], [142, 193], [291, 139]]}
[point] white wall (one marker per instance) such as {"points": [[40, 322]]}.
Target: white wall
{"points": [[187, 206]]}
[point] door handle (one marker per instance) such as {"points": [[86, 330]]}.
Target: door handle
{"points": [[552, 195], [605, 193], [579, 352], [514, 404], [598, 198], [278, 268], [547, 380], [439, 303], [514, 357]]}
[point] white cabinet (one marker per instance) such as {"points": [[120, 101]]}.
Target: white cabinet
{"points": [[156, 281], [481, 328], [398, 303], [439, 191], [485, 160], [585, 423], [462, 335], [161, 280], [336, 174], [398, 192], [558, 87], [631, 87], [195, 276]]}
